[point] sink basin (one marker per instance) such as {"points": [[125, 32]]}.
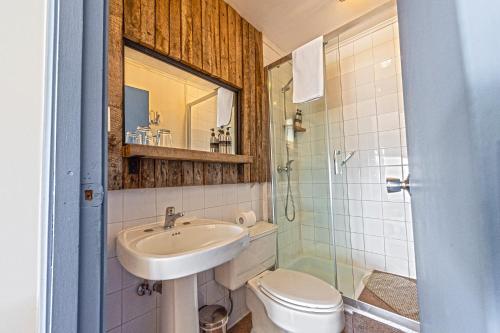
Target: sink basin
{"points": [[154, 253]]}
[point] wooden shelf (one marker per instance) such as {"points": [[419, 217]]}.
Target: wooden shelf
{"points": [[178, 154], [299, 129]]}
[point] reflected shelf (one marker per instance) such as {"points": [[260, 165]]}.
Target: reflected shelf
{"points": [[179, 154]]}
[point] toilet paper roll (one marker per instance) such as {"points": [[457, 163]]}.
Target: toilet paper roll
{"points": [[246, 219]]}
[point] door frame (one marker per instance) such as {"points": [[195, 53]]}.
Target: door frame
{"points": [[76, 102]]}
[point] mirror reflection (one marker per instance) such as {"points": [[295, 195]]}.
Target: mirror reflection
{"points": [[169, 107]]}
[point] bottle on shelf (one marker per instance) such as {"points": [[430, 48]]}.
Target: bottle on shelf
{"points": [[229, 141], [214, 142], [222, 140], [298, 118]]}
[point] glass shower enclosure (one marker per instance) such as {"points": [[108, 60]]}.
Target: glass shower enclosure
{"points": [[330, 158]]}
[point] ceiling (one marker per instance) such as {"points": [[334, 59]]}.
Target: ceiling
{"points": [[291, 23]]}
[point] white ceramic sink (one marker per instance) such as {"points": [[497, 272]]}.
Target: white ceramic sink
{"points": [[154, 253]]}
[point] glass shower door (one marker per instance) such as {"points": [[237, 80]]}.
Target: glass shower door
{"points": [[301, 180]]}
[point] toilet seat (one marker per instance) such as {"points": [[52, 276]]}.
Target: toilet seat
{"points": [[293, 303], [300, 291]]}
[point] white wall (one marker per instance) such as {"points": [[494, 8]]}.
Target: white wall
{"points": [[127, 312], [22, 63]]}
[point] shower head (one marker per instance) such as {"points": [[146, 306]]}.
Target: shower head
{"points": [[286, 87], [289, 162]]}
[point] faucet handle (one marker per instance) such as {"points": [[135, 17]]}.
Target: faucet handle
{"points": [[170, 211]]}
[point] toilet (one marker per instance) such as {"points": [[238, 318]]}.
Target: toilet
{"points": [[281, 301]]}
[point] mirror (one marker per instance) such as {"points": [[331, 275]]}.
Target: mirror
{"points": [[170, 107]]}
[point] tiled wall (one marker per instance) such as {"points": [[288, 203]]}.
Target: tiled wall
{"points": [[373, 229], [125, 311]]}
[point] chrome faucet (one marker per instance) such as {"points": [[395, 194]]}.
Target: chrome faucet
{"points": [[171, 217]]}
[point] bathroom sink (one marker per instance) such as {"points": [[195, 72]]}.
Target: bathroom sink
{"points": [[154, 253]]}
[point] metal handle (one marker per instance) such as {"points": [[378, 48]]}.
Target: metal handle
{"points": [[396, 185]]}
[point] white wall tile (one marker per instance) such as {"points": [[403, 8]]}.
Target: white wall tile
{"points": [[115, 206], [372, 209], [143, 324], [134, 305], [387, 104], [193, 198], [374, 244], [396, 248], [395, 230], [366, 108], [397, 266], [113, 310], [394, 211], [368, 141], [113, 230], [388, 121], [168, 197], [139, 203], [367, 125], [373, 227], [113, 276], [389, 139], [357, 241], [214, 196]]}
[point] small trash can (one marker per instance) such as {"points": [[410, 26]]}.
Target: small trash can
{"points": [[213, 319]]}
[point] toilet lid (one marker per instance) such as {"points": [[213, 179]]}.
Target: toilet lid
{"points": [[300, 289]]}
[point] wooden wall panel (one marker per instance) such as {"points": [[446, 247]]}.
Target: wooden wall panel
{"points": [[214, 22], [187, 31], [161, 173], [207, 35], [239, 50], [231, 44], [245, 118], [259, 126], [147, 173], [148, 23], [162, 24], [132, 19], [251, 91], [197, 50], [224, 42], [229, 173], [198, 168], [174, 177], [175, 29], [212, 174], [207, 44]]}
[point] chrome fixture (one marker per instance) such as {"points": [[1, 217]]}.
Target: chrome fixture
{"points": [[286, 87], [396, 185], [348, 157], [171, 217], [143, 289], [338, 163], [287, 168]]}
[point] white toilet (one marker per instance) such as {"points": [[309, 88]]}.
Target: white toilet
{"points": [[281, 300]]}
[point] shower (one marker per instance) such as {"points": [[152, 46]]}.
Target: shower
{"points": [[289, 203]]}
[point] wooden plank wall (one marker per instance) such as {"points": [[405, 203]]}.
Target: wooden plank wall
{"points": [[209, 36]]}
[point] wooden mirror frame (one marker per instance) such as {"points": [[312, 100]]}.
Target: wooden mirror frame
{"points": [[210, 38]]}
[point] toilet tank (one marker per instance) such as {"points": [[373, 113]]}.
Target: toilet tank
{"points": [[256, 258]]}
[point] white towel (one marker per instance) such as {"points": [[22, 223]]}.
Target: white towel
{"points": [[308, 73], [224, 106]]}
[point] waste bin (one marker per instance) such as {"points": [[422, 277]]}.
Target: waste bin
{"points": [[213, 319]]}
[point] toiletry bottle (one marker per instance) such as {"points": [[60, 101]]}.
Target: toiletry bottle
{"points": [[298, 118], [229, 141], [214, 142], [222, 140]]}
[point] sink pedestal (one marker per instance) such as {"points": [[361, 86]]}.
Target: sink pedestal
{"points": [[179, 305]]}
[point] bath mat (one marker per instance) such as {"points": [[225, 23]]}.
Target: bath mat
{"points": [[399, 292]]}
